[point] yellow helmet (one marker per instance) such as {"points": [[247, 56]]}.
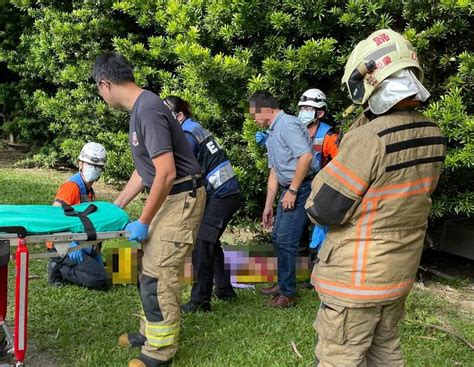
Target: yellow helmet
{"points": [[374, 59]]}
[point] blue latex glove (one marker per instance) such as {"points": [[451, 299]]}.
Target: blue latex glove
{"points": [[76, 256], [261, 137], [318, 236], [138, 231]]}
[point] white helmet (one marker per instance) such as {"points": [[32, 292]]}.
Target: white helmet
{"points": [[314, 98], [93, 153]]}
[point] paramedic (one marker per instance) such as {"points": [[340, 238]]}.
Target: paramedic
{"points": [[169, 222], [223, 200], [85, 266]]}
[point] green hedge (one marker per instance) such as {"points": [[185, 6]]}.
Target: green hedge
{"points": [[214, 53]]}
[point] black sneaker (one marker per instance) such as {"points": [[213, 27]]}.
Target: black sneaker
{"points": [[196, 307], [54, 273]]}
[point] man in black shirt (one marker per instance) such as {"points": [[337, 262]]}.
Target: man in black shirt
{"points": [[169, 222]]}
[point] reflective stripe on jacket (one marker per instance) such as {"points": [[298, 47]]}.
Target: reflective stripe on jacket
{"points": [[218, 172], [375, 196]]}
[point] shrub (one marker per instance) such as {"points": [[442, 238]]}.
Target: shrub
{"points": [[214, 54]]}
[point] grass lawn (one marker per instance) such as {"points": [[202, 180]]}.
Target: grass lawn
{"points": [[72, 326]]}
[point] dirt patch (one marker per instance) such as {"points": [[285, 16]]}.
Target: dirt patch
{"points": [[34, 358], [10, 154], [461, 298]]}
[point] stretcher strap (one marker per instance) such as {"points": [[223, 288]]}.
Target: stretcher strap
{"points": [[86, 222]]}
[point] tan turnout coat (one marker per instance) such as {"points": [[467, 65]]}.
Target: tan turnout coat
{"points": [[375, 196]]}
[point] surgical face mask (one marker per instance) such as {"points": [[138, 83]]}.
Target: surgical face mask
{"points": [[91, 173], [306, 117]]}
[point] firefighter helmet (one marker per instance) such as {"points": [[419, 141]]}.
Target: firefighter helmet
{"points": [[374, 59]]}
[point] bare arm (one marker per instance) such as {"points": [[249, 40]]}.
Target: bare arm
{"points": [[288, 201], [133, 187], [165, 175], [272, 190]]}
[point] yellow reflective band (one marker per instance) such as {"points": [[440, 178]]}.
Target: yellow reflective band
{"points": [[162, 329], [161, 342], [162, 335]]}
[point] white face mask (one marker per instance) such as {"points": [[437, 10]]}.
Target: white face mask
{"points": [[306, 117], [91, 173]]}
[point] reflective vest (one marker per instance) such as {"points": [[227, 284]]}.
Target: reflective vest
{"points": [[317, 144], [216, 168], [84, 193]]}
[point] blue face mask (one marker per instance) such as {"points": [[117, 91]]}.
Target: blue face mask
{"points": [[306, 117]]}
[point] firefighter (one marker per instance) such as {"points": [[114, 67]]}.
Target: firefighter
{"points": [[85, 266], [375, 198], [168, 224], [223, 200]]}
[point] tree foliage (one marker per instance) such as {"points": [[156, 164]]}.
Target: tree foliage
{"points": [[214, 53]]}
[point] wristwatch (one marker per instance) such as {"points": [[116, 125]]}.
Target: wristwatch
{"points": [[292, 191]]}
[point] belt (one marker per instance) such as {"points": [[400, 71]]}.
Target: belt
{"points": [[308, 178], [190, 185]]}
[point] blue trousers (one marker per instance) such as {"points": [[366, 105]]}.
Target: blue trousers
{"points": [[288, 229]]}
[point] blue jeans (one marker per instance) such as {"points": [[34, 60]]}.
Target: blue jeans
{"points": [[287, 232]]}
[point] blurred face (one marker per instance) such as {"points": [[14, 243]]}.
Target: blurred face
{"points": [[107, 92], [263, 116]]}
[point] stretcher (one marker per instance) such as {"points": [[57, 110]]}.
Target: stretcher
{"points": [[23, 225]]}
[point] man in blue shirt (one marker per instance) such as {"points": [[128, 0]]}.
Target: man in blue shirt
{"points": [[289, 159]]}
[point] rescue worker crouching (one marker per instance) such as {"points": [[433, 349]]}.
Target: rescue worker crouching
{"points": [[223, 201], [375, 198], [83, 267]]}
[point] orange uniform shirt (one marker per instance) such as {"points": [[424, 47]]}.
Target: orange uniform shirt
{"points": [[68, 193], [330, 148]]}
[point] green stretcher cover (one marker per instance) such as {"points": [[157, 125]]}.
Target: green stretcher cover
{"points": [[48, 219]]}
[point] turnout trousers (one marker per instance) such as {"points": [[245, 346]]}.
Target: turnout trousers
{"points": [[359, 337], [208, 256], [172, 233]]}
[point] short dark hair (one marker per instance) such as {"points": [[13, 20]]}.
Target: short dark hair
{"points": [[177, 105], [263, 98], [112, 67]]}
